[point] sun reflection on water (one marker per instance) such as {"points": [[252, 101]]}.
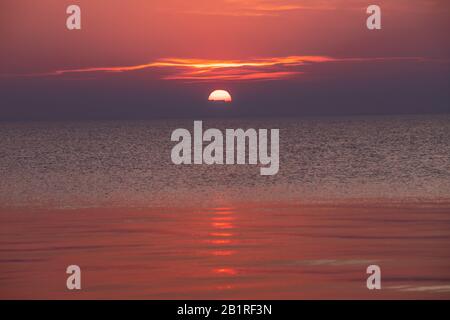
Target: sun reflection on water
{"points": [[223, 236]]}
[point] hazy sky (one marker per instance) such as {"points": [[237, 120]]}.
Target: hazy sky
{"points": [[146, 59]]}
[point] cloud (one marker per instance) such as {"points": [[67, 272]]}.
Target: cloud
{"points": [[258, 69], [211, 70], [253, 8], [258, 8], [439, 288]]}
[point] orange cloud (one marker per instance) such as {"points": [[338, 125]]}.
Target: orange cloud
{"points": [[257, 8], [249, 8], [262, 69], [210, 70]]}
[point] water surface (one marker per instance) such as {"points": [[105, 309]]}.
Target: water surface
{"points": [[104, 195]]}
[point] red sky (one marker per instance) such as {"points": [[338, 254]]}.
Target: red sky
{"points": [[138, 32], [224, 39]]}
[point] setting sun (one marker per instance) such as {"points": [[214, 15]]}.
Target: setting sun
{"points": [[220, 95]]}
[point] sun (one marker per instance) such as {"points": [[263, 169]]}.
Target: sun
{"points": [[220, 95]]}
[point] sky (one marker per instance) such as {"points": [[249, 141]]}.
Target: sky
{"points": [[161, 58]]}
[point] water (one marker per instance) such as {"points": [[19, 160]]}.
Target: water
{"points": [[128, 163], [350, 192]]}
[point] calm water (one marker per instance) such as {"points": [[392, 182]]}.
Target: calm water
{"points": [[104, 195], [128, 163]]}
